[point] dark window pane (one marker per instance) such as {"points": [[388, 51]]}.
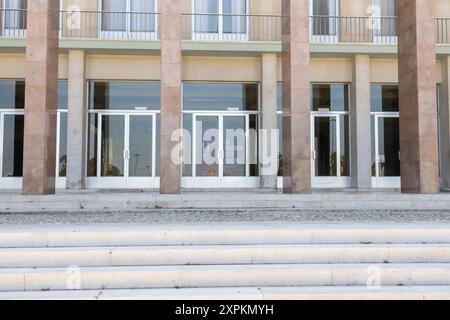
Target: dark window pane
{"points": [[220, 96], [280, 97], [62, 95], [62, 144], [12, 94], [92, 145], [328, 97], [384, 98], [125, 96], [13, 129]]}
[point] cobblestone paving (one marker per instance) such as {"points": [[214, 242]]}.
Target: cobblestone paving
{"points": [[186, 216]]}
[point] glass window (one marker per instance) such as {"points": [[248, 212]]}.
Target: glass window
{"points": [[12, 94], [330, 97], [221, 96], [280, 97], [233, 19], [124, 96], [384, 98], [324, 12], [63, 102]]}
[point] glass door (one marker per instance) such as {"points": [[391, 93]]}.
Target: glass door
{"points": [[12, 131], [135, 19], [331, 154], [127, 148], [14, 18], [385, 21], [325, 20], [221, 152], [217, 20], [386, 151]]}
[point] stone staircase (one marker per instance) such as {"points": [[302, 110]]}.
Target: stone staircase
{"points": [[226, 261]]}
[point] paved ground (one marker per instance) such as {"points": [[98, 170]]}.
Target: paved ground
{"points": [[186, 216]]}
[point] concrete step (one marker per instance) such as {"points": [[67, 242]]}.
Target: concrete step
{"points": [[221, 234], [223, 254], [147, 277], [249, 293]]}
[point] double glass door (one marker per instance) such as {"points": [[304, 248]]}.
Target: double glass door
{"points": [[224, 152], [331, 151], [122, 151], [386, 151]]}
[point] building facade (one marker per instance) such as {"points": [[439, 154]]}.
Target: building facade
{"points": [[220, 94]]}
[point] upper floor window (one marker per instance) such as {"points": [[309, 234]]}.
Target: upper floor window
{"points": [[325, 19], [15, 15], [128, 16], [217, 19], [12, 94]]}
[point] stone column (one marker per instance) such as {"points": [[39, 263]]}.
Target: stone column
{"points": [[296, 97], [269, 151], [444, 98], [417, 90], [360, 124], [39, 163], [76, 124], [170, 96]]}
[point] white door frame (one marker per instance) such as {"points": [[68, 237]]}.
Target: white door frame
{"points": [[220, 182], [220, 35], [60, 181], [124, 182], [8, 182], [127, 34], [339, 181], [377, 181]]}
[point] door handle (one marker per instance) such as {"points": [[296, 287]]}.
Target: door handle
{"points": [[314, 155]]}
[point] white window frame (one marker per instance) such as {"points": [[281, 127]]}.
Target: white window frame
{"points": [[220, 35], [127, 34]]}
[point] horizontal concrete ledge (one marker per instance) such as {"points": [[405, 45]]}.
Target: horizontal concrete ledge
{"points": [[223, 254], [248, 293], [128, 234], [117, 201], [147, 277], [189, 46]]}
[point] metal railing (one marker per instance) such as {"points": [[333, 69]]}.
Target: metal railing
{"points": [[109, 25], [327, 29], [215, 27], [13, 23], [443, 31], [231, 27]]}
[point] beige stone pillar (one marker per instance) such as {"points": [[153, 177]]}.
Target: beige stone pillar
{"points": [[444, 120], [417, 90], [76, 124], [170, 95], [360, 124], [269, 151], [296, 95], [41, 97]]}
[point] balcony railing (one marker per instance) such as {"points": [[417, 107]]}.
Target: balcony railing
{"points": [[143, 26], [13, 23], [109, 25], [231, 27]]}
